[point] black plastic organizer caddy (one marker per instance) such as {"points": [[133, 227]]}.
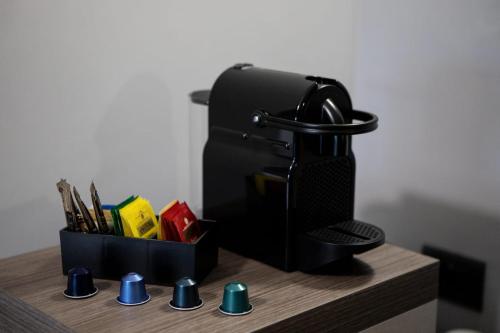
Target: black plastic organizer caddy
{"points": [[159, 261]]}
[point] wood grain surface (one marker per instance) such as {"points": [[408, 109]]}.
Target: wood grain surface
{"points": [[17, 316], [345, 297]]}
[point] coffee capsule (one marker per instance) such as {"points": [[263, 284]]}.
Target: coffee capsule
{"points": [[186, 296], [133, 290], [80, 283], [235, 300]]}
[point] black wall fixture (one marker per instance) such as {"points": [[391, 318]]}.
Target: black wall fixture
{"points": [[461, 279]]}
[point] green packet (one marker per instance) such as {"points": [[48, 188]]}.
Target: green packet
{"points": [[115, 213]]}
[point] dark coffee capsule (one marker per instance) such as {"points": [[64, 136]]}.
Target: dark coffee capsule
{"points": [[133, 290], [235, 300], [186, 296], [80, 283]]}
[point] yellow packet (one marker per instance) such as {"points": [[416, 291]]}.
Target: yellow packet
{"points": [[138, 219]]}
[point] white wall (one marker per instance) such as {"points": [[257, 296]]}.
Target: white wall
{"points": [[98, 90], [430, 174]]}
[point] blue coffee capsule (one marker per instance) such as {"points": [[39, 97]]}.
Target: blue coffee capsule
{"points": [[133, 290], [80, 283], [235, 300], [186, 296]]}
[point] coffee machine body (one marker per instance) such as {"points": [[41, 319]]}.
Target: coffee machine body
{"points": [[279, 171]]}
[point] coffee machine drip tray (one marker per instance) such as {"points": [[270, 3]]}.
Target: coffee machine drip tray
{"points": [[323, 245]]}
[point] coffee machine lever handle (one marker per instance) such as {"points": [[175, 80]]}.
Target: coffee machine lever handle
{"points": [[368, 124]]}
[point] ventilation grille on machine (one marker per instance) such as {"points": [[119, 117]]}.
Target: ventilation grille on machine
{"points": [[325, 192]]}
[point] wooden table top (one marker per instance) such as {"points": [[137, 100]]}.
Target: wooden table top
{"points": [[373, 287]]}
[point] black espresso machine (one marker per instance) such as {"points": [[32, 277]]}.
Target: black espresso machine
{"points": [[278, 168]]}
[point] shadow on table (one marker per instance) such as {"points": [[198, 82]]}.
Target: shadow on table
{"points": [[103, 285], [155, 291], [345, 267], [228, 266], [415, 219], [345, 274]]}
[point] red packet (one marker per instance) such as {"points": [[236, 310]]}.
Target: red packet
{"points": [[179, 223], [167, 230], [192, 218], [186, 224]]}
